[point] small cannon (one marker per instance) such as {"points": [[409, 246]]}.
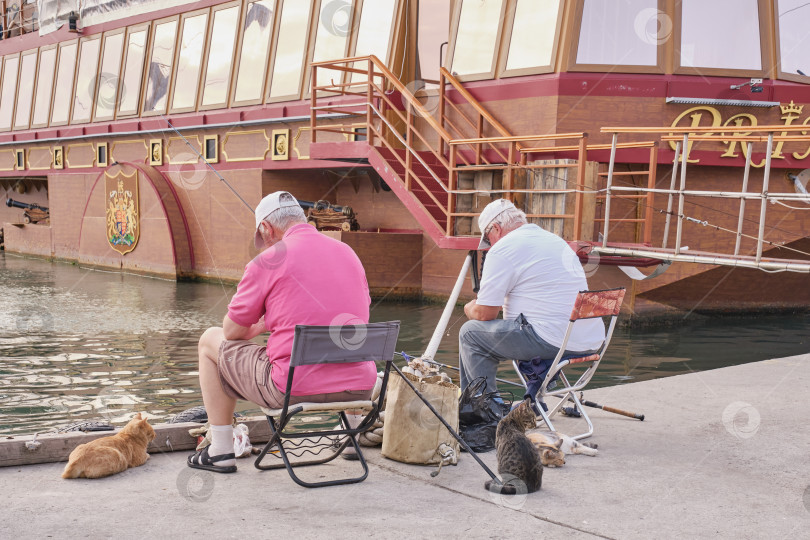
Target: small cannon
{"points": [[325, 215], [34, 213]]}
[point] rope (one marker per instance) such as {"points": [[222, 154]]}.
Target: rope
{"points": [[723, 229]]}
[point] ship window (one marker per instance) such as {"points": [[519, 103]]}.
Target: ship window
{"points": [[331, 37], [477, 37], [42, 101], [291, 46], [108, 77], [64, 84], [253, 58], [734, 44], [28, 70], [192, 42], [10, 66], [794, 40], [220, 57], [620, 33], [160, 68], [432, 32], [374, 32], [130, 91], [86, 80], [534, 33]]}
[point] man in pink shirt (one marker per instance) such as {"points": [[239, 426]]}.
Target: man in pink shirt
{"points": [[301, 277]]}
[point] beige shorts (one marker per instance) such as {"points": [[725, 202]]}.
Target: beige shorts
{"points": [[244, 372]]}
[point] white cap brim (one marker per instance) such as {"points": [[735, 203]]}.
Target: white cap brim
{"points": [[483, 244]]}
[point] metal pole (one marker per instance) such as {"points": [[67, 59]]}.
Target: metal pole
{"points": [[764, 206], [681, 197], [671, 188], [438, 333], [742, 201], [607, 192]]}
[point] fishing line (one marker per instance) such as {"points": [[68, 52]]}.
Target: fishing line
{"points": [[200, 156]]}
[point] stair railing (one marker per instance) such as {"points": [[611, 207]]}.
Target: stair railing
{"points": [[396, 120]]}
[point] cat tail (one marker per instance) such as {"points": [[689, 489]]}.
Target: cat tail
{"points": [[587, 450], [71, 470], [501, 489]]}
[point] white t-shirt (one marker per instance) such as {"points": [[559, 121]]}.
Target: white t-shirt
{"points": [[535, 272]]}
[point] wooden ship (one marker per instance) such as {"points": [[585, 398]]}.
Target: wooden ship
{"points": [[666, 140]]}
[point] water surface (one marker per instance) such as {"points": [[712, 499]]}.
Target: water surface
{"points": [[79, 344]]}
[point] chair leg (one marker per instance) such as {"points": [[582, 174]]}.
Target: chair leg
{"points": [[546, 417], [277, 440], [584, 414]]}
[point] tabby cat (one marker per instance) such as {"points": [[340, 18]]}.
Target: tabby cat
{"points": [[519, 462], [113, 454]]}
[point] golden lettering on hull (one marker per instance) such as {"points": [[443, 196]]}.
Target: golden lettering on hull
{"points": [[745, 122]]}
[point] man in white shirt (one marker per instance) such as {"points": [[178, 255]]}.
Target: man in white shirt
{"points": [[534, 276]]}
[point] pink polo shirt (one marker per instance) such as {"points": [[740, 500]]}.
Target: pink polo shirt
{"points": [[306, 278]]}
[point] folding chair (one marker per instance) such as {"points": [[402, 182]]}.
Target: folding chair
{"points": [[588, 305], [328, 345]]}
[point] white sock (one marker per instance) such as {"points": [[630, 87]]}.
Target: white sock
{"points": [[222, 443]]}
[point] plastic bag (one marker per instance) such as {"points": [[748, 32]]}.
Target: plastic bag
{"points": [[241, 442], [478, 415]]}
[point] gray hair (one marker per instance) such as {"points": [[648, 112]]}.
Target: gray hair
{"points": [[285, 217], [509, 219]]}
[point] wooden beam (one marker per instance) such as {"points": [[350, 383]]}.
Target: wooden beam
{"points": [[56, 447]]}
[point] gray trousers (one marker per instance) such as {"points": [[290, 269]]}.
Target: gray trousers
{"points": [[483, 344]]}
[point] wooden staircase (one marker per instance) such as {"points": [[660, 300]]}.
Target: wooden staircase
{"points": [[427, 191], [420, 153]]}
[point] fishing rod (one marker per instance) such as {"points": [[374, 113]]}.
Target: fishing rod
{"points": [[216, 172]]}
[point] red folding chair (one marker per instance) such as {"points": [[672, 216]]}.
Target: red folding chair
{"points": [[588, 305]]}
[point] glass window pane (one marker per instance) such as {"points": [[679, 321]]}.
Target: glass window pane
{"points": [[477, 34], [255, 44], [334, 27], [86, 80], [734, 44], [8, 91], [108, 77], [188, 62], [433, 29], [290, 46], [529, 47], [26, 92], [133, 72], [64, 83], [619, 33], [374, 33], [160, 68], [42, 102], [220, 56], [794, 39]]}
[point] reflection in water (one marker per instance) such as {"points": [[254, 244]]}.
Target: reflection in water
{"points": [[78, 344]]}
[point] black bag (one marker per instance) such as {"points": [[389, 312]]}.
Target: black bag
{"points": [[478, 415]]}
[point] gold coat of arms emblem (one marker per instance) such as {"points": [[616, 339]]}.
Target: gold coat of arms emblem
{"points": [[123, 221]]}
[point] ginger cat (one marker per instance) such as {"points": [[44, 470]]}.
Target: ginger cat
{"points": [[553, 447], [113, 454]]}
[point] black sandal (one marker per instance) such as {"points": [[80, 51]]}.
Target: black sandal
{"points": [[201, 460]]}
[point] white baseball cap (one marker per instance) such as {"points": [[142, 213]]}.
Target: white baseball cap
{"points": [[266, 206], [488, 215]]}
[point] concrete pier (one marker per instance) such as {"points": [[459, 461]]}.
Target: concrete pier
{"points": [[721, 453]]}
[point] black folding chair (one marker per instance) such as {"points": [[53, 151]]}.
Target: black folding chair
{"points": [[328, 345]]}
